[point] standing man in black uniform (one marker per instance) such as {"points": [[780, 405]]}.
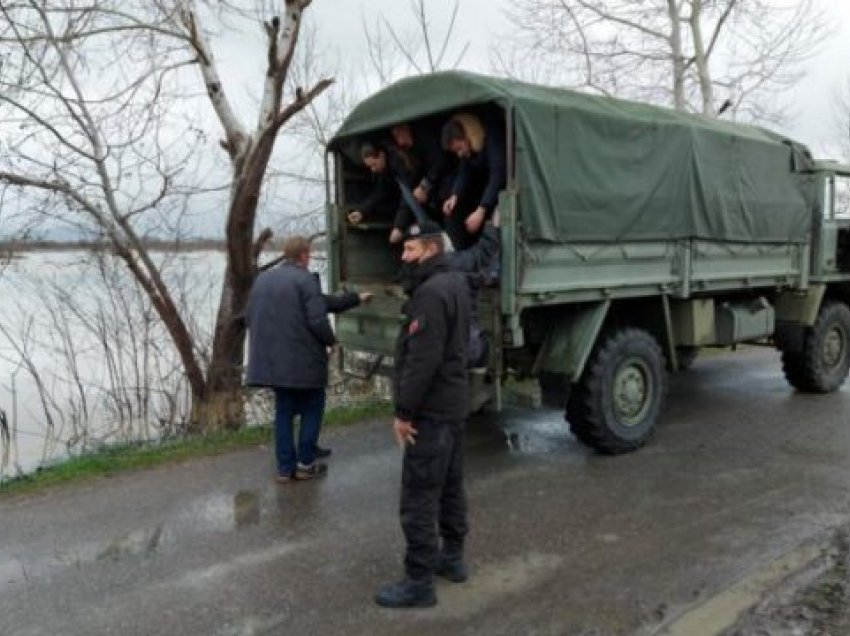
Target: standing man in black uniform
{"points": [[430, 400]]}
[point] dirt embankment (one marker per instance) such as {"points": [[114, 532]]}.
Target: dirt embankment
{"points": [[813, 602]]}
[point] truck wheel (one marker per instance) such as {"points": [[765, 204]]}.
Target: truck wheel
{"points": [[822, 365], [614, 406]]}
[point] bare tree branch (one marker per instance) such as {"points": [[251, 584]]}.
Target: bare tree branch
{"points": [[679, 52]]}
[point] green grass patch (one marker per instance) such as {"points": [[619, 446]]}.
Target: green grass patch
{"points": [[357, 412], [116, 459]]}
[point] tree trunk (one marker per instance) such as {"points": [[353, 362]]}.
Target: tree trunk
{"points": [[701, 61], [676, 56], [221, 405]]}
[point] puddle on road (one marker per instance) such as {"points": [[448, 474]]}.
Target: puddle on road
{"points": [[246, 508], [535, 431], [215, 513]]}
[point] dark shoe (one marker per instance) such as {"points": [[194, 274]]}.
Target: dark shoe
{"points": [[321, 453], [407, 593], [303, 473], [452, 569]]}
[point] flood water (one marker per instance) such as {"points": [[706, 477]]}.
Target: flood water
{"points": [[83, 360]]}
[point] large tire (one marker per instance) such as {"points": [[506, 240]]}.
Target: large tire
{"points": [[823, 363], [613, 408]]}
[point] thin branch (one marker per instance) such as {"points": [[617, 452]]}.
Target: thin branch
{"points": [[302, 99]]}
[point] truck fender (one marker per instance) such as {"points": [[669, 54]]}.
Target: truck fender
{"points": [[800, 307], [796, 311], [568, 343]]}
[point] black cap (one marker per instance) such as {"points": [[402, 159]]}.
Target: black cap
{"points": [[426, 229]]}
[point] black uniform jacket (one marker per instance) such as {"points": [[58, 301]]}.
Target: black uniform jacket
{"points": [[430, 381], [385, 202]]}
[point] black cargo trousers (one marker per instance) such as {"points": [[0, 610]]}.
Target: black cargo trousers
{"points": [[433, 496]]}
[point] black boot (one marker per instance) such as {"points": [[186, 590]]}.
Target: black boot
{"points": [[407, 593], [452, 568]]}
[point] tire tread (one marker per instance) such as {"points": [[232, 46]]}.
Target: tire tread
{"points": [[585, 409], [803, 369]]}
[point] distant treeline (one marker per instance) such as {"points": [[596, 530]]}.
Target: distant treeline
{"points": [[156, 245], [152, 244]]}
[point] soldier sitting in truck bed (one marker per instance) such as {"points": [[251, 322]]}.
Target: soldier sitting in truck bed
{"points": [[421, 140], [414, 160], [481, 175], [391, 170]]}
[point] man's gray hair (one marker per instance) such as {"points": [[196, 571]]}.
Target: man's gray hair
{"points": [[295, 246]]}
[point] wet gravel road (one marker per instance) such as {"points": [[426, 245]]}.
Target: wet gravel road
{"points": [[741, 471]]}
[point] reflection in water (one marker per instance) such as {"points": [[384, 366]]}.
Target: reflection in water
{"points": [[535, 431], [246, 508], [137, 542], [215, 513]]}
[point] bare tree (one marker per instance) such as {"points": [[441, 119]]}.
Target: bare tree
{"points": [[840, 145], [94, 88], [690, 54], [93, 368], [842, 119], [422, 48]]}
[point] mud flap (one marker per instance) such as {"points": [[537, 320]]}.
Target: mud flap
{"points": [[569, 342]]}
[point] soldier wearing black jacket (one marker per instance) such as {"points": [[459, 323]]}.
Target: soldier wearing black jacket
{"points": [[481, 175], [430, 399], [422, 141], [392, 170]]}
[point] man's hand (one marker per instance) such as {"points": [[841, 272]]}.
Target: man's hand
{"points": [[475, 220], [420, 193], [365, 297], [355, 216], [405, 434], [497, 218], [395, 235], [450, 205]]}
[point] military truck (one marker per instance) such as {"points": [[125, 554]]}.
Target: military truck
{"points": [[632, 237]]}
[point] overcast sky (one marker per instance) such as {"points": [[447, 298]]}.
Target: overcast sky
{"points": [[482, 23]]}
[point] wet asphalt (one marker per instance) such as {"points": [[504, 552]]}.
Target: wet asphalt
{"points": [[741, 470]]}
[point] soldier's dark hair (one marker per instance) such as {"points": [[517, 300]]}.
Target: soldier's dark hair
{"points": [[370, 150], [452, 131], [436, 241]]}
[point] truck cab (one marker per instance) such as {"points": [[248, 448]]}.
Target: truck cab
{"points": [[831, 245]]}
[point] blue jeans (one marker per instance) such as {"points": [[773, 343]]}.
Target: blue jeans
{"points": [[310, 405]]}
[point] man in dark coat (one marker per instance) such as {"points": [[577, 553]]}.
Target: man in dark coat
{"points": [[290, 333], [481, 175], [430, 399]]}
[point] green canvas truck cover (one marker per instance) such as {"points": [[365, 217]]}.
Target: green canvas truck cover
{"points": [[592, 168]]}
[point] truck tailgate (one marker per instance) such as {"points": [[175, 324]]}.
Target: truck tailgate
{"points": [[372, 328]]}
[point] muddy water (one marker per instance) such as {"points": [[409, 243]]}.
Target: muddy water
{"points": [[82, 409]]}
